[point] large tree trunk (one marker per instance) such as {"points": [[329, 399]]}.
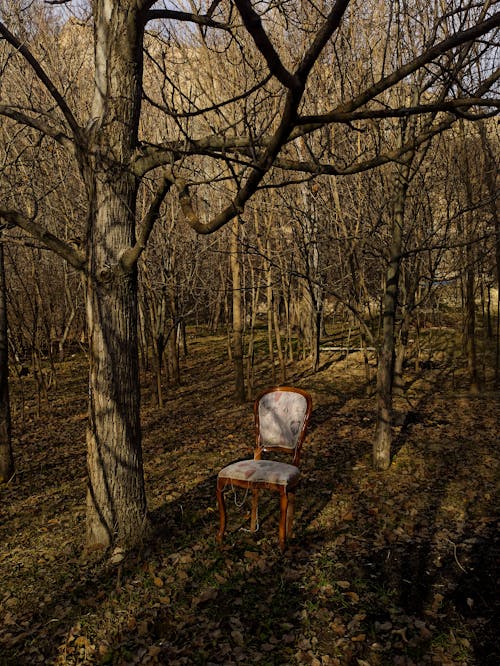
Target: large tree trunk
{"points": [[6, 456], [116, 501]]}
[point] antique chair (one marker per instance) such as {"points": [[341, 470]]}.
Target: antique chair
{"points": [[281, 418]]}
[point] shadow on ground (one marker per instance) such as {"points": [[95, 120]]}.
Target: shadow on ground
{"points": [[392, 568]]}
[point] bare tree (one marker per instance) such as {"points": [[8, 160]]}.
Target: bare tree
{"points": [[108, 142], [6, 454]]}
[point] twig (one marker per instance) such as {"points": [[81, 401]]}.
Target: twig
{"points": [[455, 555]]}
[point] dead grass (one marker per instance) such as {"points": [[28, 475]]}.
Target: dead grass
{"points": [[392, 568]]}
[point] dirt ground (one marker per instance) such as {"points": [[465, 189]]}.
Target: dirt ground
{"points": [[384, 568]]}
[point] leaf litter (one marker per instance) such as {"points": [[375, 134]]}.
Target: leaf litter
{"points": [[383, 568]]}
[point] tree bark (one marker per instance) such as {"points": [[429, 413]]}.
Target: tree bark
{"points": [[255, 287], [116, 500], [239, 373], [470, 321], [385, 369], [6, 455], [470, 341], [269, 308], [491, 178], [172, 341], [277, 335]]}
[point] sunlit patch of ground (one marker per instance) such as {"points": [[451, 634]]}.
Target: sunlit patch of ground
{"points": [[384, 568]]}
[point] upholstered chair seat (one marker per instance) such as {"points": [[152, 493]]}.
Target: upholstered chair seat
{"points": [[261, 471]]}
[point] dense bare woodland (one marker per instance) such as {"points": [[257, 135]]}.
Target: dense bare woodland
{"points": [[290, 185]]}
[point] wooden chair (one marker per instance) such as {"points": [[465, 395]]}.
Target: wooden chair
{"points": [[281, 418]]}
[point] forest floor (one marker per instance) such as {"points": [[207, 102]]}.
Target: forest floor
{"points": [[384, 568]]}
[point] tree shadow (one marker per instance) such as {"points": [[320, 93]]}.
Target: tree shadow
{"points": [[441, 568], [475, 595], [369, 556]]}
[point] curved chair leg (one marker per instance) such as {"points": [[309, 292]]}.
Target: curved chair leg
{"points": [[283, 513], [222, 511], [255, 508]]}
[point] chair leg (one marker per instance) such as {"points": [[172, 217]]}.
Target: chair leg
{"points": [[289, 515], [222, 511], [283, 512], [255, 508]]}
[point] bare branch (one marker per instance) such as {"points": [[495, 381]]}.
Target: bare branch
{"points": [[198, 19], [213, 7], [425, 58], [291, 127], [44, 78], [35, 123], [130, 258], [322, 37], [319, 168], [214, 107], [149, 157], [63, 249], [280, 136], [451, 105], [254, 26]]}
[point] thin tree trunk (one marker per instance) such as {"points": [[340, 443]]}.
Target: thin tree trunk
{"points": [[67, 328], [404, 332], [470, 280], [237, 342], [491, 178], [172, 352], [269, 309], [400, 355], [277, 335], [317, 314], [251, 333], [172, 346], [6, 455], [157, 316], [470, 323], [366, 362], [285, 286], [158, 346], [385, 370]]}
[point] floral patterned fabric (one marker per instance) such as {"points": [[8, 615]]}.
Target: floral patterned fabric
{"points": [[264, 471], [281, 416]]}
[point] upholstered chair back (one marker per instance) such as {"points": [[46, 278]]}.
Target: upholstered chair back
{"points": [[280, 416]]}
